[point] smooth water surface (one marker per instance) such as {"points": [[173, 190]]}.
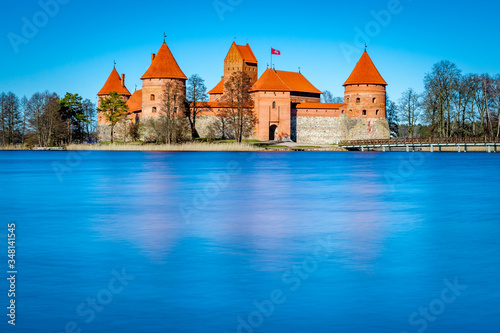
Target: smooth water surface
{"points": [[253, 242]]}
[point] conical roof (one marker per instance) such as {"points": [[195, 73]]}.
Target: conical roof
{"points": [[365, 72], [164, 66], [114, 83]]}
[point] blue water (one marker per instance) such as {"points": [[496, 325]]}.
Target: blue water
{"points": [[252, 242]]}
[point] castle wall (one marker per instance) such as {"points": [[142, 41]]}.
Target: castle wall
{"points": [[333, 129], [121, 132], [215, 98]]}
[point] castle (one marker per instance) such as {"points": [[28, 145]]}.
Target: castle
{"points": [[286, 104]]}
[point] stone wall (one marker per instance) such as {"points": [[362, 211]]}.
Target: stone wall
{"points": [[331, 130], [121, 131], [212, 127]]}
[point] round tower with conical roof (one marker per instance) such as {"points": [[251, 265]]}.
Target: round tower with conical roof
{"points": [[163, 69], [365, 91], [114, 83]]}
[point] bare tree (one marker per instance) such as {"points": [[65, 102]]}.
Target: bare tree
{"points": [[24, 104], [392, 116], [240, 104], [44, 118], [89, 122], [440, 89], [196, 94], [328, 98], [496, 90], [11, 119], [464, 104], [409, 109], [172, 109], [2, 124]]}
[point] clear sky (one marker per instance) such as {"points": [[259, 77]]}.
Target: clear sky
{"points": [[72, 48]]}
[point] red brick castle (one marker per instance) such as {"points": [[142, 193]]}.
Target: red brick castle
{"points": [[286, 104]]}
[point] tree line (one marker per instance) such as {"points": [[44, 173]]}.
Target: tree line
{"points": [[452, 104], [45, 119]]}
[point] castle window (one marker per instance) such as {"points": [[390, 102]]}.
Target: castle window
{"points": [[152, 97], [274, 105], [376, 112], [153, 110], [364, 112], [350, 110], [374, 100], [348, 99], [358, 100]]}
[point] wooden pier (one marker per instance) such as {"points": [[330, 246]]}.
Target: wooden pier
{"points": [[490, 144]]}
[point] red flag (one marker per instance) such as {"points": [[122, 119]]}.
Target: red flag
{"points": [[273, 51]]}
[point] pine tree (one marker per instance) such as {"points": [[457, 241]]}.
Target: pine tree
{"points": [[114, 109]]}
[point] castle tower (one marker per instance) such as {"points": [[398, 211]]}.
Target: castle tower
{"points": [[365, 91], [113, 83], [275, 94], [239, 58], [163, 68]]}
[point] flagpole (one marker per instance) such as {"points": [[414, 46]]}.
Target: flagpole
{"points": [[271, 58]]}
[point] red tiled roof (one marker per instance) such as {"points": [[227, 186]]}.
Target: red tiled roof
{"points": [[135, 102], [297, 82], [217, 105], [246, 53], [218, 89], [114, 83], [365, 72], [273, 80], [323, 106], [164, 66], [270, 81]]}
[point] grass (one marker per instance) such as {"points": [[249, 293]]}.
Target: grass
{"points": [[13, 147], [272, 146], [191, 146], [315, 147]]}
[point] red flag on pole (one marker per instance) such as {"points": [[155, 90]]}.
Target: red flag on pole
{"points": [[276, 52]]}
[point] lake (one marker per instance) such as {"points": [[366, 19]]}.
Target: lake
{"points": [[252, 242]]}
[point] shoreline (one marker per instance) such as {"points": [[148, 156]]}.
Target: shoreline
{"points": [[186, 147], [223, 147]]}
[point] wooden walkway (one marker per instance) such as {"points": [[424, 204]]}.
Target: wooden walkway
{"points": [[435, 144]]}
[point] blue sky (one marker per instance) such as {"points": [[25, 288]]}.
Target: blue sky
{"points": [[74, 47]]}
